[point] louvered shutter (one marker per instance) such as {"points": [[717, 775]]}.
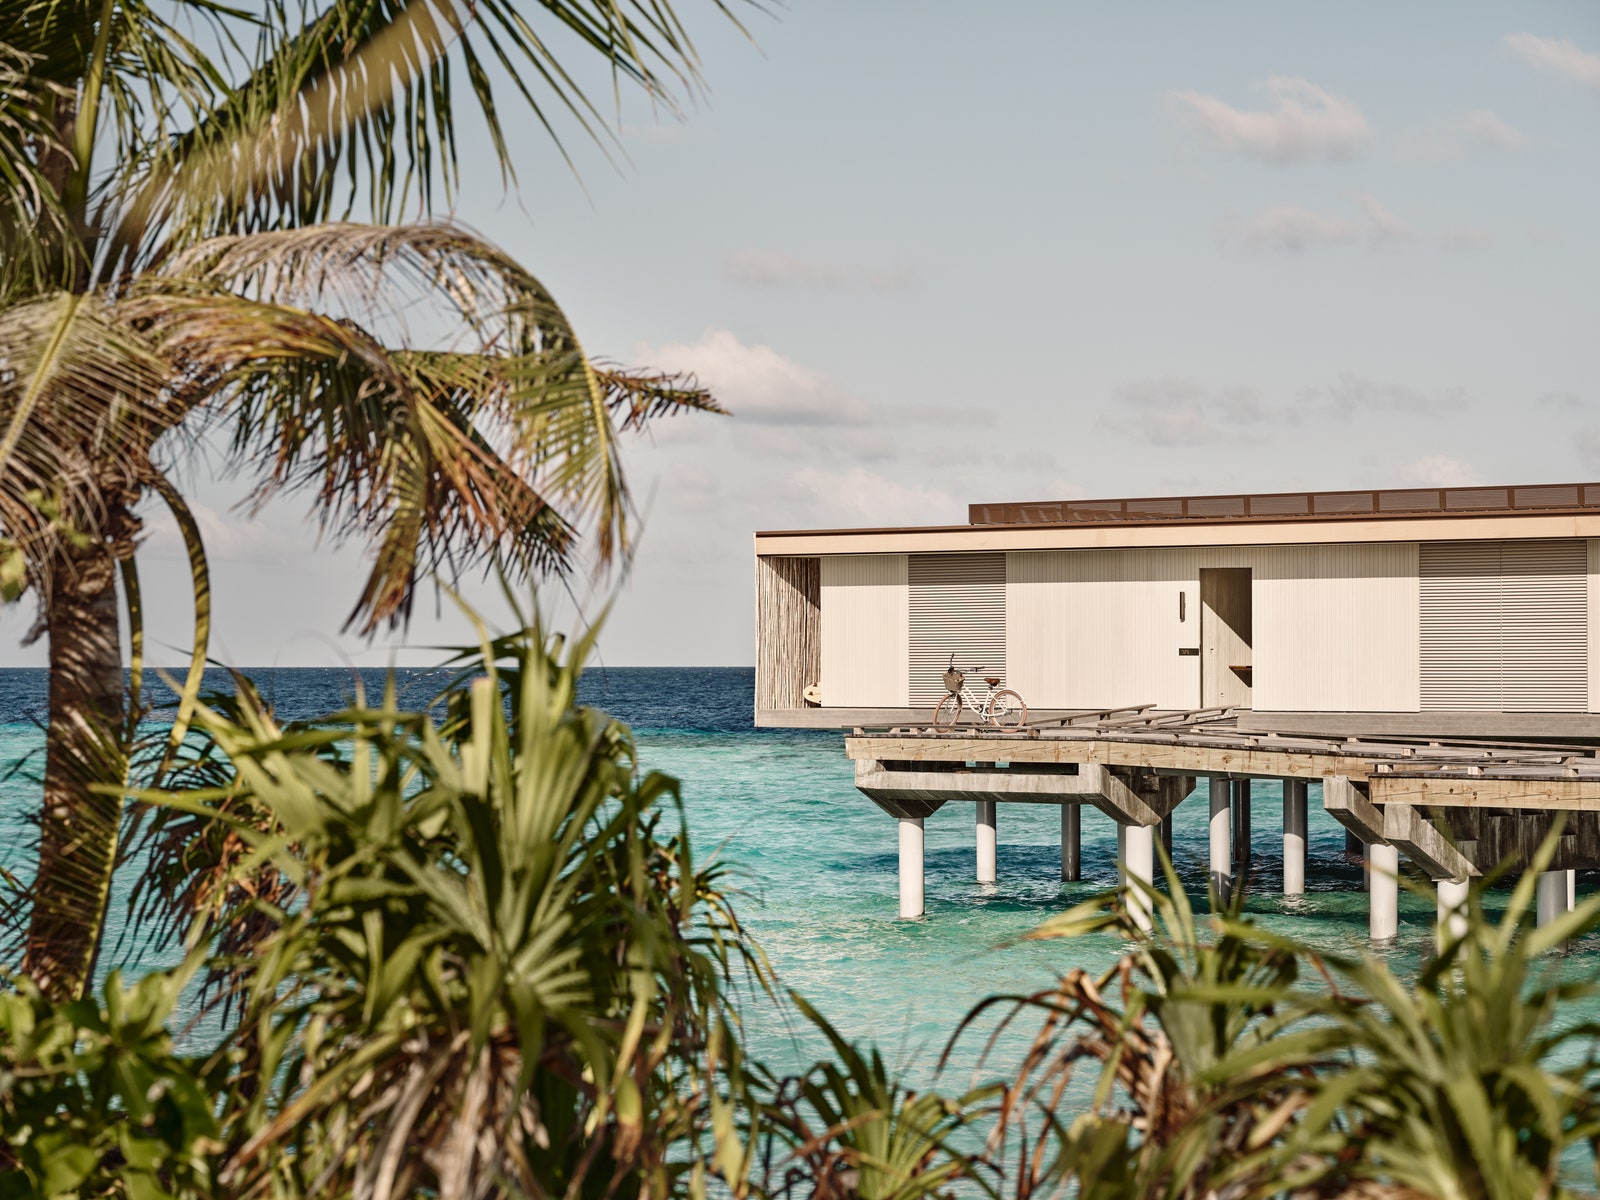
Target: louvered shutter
{"points": [[1504, 626], [958, 605]]}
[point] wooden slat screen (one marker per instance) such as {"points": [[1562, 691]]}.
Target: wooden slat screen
{"points": [[1505, 626], [958, 604], [788, 630]]}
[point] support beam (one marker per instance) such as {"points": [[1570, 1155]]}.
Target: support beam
{"points": [[1423, 844], [1071, 842], [1241, 824], [1383, 887], [1551, 896], [1295, 829], [1452, 910], [1166, 835], [911, 885], [1221, 840], [1136, 845], [1347, 804], [987, 838]]}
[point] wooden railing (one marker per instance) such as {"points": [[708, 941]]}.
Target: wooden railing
{"points": [[1280, 506]]}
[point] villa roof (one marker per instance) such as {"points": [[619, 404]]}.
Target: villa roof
{"points": [[1298, 506]]}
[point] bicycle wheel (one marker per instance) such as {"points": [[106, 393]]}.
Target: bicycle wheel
{"points": [[1007, 710], [948, 713]]}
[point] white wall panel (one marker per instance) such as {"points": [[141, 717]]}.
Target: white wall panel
{"points": [[1335, 627], [866, 642]]}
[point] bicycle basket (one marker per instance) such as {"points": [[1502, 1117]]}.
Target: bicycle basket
{"points": [[953, 679]]}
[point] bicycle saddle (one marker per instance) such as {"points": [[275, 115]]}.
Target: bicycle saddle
{"points": [[991, 681]]}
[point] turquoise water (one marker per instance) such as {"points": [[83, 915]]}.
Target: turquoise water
{"points": [[815, 864]]}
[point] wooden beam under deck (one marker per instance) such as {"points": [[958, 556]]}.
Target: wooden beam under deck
{"points": [[1166, 759], [1565, 795]]}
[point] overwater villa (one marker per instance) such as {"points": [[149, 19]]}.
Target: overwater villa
{"points": [[1431, 656]]}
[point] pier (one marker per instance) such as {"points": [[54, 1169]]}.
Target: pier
{"points": [[1454, 809], [1429, 656]]}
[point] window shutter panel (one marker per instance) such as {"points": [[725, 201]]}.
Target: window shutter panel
{"points": [[1504, 626], [958, 605]]}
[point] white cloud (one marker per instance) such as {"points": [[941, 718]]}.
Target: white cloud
{"points": [[1351, 393], [230, 537], [1293, 228], [1478, 129], [1438, 470], [774, 268], [1567, 400], [1559, 55], [857, 495], [756, 383], [1182, 412], [1305, 122], [1464, 237], [1486, 129]]}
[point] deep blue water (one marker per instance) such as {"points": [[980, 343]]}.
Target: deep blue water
{"points": [[815, 861]]}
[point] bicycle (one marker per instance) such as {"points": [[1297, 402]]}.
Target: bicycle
{"points": [[1002, 707]]}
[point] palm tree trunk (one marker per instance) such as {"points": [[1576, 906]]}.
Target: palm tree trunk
{"points": [[79, 827]]}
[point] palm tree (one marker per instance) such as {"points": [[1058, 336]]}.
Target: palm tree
{"points": [[176, 258]]}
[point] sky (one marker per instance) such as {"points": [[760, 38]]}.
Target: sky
{"points": [[930, 254]]}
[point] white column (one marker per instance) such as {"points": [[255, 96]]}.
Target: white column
{"points": [[1221, 840], [1551, 895], [1137, 850], [1572, 890], [1452, 910], [1295, 821], [1383, 892], [1071, 835], [911, 896], [987, 836]]}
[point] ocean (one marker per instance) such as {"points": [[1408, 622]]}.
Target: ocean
{"points": [[814, 864]]}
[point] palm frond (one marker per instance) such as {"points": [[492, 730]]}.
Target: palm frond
{"points": [[36, 243], [360, 101], [441, 458], [81, 402]]}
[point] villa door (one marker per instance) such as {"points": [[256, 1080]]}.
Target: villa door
{"points": [[1225, 637]]}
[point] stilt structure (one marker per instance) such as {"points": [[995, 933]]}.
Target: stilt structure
{"points": [[1241, 827], [1296, 821], [1071, 843], [1383, 889], [1452, 909], [1551, 896], [911, 882], [1221, 839], [987, 838], [1136, 846]]}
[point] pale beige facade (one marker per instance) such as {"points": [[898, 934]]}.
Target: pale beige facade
{"points": [[1471, 613]]}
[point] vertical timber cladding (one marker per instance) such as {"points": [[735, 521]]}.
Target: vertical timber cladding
{"points": [[958, 606], [788, 630], [1505, 626]]}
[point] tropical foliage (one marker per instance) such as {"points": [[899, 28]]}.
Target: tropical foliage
{"points": [[179, 268], [1222, 1074], [464, 947]]}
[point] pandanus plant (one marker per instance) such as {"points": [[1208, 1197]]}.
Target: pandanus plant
{"points": [[458, 948], [1212, 1071], [176, 267]]}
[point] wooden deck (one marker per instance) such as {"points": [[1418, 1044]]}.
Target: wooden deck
{"points": [[1455, 807]]}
